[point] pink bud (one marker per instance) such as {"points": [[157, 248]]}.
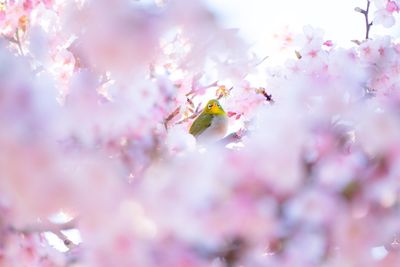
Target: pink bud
{"points": [[27, 5], [328, 43], [231, 114], [392, 7]]}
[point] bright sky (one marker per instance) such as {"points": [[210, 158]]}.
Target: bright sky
{"points": [[258, 20]]}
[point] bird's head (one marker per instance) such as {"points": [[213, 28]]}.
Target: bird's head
{"points": [[213, 107]]}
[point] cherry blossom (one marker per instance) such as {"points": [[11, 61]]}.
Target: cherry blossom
{"points": [[96, 99], [385, 12]]}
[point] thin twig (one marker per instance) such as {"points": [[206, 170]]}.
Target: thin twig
{"points": [[196, 112], [194, 115], [365, 12], [367, 23], [267, 96], [18, 39], [202, 88], [54, 228], [171, 116], [261, 61], [10, 39], [47, 226], [67, 242]]}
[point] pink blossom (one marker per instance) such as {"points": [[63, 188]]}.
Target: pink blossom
{"points": [[48, 3], [28, 5], [328, 43], [96, 99], [392, 6]]}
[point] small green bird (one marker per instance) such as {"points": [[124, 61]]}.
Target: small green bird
{"points": [[212, 124]]}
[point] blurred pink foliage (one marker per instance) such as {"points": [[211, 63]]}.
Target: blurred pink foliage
{"points": [[386, 10], [96, 98]]}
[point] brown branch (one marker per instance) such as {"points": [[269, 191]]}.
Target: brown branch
{"points": [[365, 12], [198, 108], [177, 110], [171, 116], [48, 226], [263, 92], [194, 115], [367, 23]]}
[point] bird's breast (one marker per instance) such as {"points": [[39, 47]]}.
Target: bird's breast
{"points": [[217, 129]]}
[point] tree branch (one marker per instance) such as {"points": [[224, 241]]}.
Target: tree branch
{"points": [[365, 12], [267, 96], [10, 39], [67, 242], [171, 116], [18, 39], [48, 226], [367, 23]]}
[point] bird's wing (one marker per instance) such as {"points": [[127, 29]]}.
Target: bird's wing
{"points": [[201, 123]]}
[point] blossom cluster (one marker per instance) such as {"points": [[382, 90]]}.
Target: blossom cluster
{"points": [[96, 98], [386, 9]]}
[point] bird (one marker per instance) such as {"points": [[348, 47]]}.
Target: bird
{"points": [[212, 123]]}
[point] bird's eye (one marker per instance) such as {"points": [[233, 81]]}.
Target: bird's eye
{"points": [[209, 106], [219, 105]]}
